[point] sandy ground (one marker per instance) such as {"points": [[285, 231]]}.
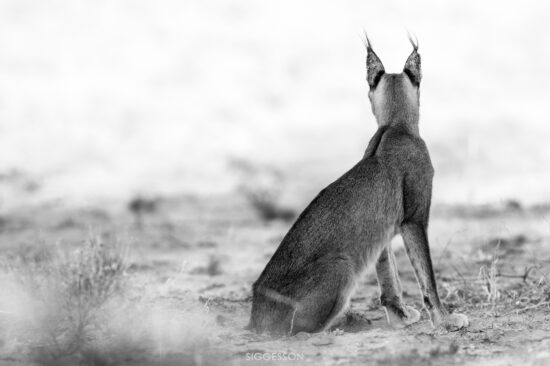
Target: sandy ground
{"points": [[492, 263]]}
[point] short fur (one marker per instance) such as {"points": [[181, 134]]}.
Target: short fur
{"points": [[309, 280]]}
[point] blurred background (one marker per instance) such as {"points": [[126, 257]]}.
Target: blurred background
{"points": [[108, 99]]}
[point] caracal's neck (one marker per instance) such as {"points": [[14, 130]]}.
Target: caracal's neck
{"points": [[395, 114]]}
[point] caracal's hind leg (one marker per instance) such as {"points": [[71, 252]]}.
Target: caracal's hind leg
{"points": [[416, 243], [329, 290], [391, 294]]}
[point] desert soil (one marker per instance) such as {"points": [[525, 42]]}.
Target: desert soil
{"points": [[492, 263]]}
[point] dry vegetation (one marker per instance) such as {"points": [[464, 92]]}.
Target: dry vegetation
{"points": [[166, 281], [82, 306]]}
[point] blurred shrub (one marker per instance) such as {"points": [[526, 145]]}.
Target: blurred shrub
{"points": [[140, 206], [81, 308], [262, 187], [64, 294], [265, 204]]}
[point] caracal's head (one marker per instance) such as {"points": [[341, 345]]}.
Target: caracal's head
{"points": [[394, 97]]}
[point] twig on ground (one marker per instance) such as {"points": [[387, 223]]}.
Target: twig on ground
{"points": [[517, 311]]}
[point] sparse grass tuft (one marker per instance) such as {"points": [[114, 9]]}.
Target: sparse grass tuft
{"points": [[498, 293], [80, 308], [64, 297], [489, 278]]}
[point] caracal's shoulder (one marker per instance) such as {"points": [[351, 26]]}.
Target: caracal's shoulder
{"points": [[400, 140]]}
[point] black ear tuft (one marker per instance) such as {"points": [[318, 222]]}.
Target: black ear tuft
{"points": [[412, 67], [375, 69]]}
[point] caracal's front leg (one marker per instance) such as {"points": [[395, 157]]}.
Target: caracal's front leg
{"points": [[391, 295], [418, 250]]}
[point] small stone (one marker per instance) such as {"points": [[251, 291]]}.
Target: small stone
{"points": [[302, 336]]}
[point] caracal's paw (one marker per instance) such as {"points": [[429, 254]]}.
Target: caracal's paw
{"points": [[413, 315], [454, 322], [401, 317]]}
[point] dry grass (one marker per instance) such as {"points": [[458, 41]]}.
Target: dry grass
{"points": [[497, 293], [82, 308], [63, 296]]}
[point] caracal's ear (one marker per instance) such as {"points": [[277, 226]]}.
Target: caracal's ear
{"points": [[375, 69], [412, 66]]}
